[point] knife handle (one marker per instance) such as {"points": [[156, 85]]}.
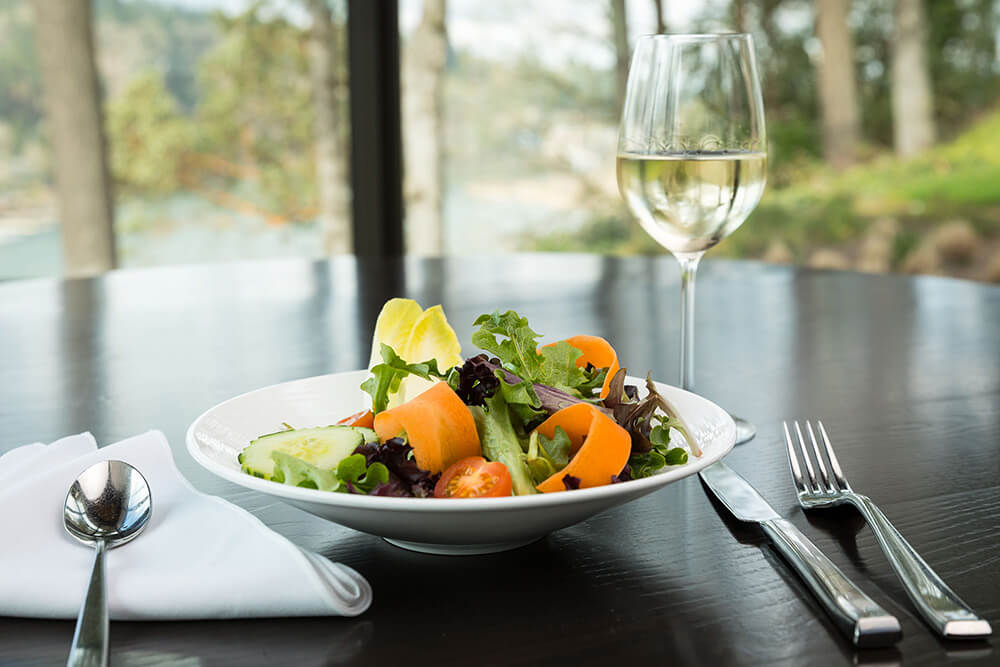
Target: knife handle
{"points": [[857, 615]]}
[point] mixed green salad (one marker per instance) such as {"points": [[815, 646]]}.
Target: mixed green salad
{"points": [[515, 419]]}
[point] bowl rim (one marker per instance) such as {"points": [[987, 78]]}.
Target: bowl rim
{"points": [[420, 505]]}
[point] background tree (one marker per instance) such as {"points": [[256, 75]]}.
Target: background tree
{"points": [[256, 129], [73, 115], [331, 158], [912, 101], [837, 83], [20, 81], [738, 15], [661, 25], [962, 47], [424, 61], [619, 27], [149, 139]]}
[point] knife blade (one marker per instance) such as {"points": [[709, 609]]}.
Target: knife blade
{"points": [[859, 617]]}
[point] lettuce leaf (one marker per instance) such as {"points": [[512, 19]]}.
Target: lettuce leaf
{"points": [[405, 477], [480, 378], [500, 442], [352, 474], [546, 457]]}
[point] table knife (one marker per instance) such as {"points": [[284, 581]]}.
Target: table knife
{"points": [[858, 616]]}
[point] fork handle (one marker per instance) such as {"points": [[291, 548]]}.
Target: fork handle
{"points": [[856, 615], [938, 604]]}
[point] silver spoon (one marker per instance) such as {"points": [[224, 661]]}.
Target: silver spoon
{"points": [[108, 505]]}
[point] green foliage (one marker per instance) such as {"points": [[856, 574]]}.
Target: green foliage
{"points": [[961, 51], [246, 141], [226, 109], [524, 103], [961, 46], [20, 80], [148, 137], [256, 111], [960, 178], [173, 37], [609, 234]]}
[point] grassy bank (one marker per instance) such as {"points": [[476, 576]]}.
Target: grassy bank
{"points": [[938, 212]]}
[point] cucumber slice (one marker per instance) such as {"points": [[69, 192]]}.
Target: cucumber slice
{"points": [[323, 447], [366, 433]]}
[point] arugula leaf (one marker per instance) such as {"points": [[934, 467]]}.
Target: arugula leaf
{"points": [[385, 377], [509, 337]]}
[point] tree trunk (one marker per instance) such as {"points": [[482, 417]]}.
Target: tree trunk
{"points": [[767, 12], [622, 52], [912, 100], [331, 159], [738, 11], [661, 25], [838, 92], [424, 63], [74, 126]]}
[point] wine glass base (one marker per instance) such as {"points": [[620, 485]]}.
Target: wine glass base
{"points": [[745, 431]]}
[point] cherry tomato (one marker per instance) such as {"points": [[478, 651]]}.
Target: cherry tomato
{"points": [[364, 418], [474, 477]]}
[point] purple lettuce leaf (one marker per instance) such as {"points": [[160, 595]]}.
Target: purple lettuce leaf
{"points": [[570, 482], [404, 474]]}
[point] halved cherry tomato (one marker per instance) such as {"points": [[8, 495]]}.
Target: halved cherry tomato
{"points": [[474, 477], [365, 418]]}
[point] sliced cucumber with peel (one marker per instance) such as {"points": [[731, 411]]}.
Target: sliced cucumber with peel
{"points": [[323, 447]]}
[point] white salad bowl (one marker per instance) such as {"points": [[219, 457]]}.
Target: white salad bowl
{"points": [[432, 525]]}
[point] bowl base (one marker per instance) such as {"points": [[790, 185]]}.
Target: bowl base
{"points": [[460, 549]]}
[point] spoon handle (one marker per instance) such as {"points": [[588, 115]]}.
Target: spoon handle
{"points": [[90, 640]]}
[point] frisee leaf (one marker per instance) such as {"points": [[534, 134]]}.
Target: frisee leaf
{"points": [[509, 337]]}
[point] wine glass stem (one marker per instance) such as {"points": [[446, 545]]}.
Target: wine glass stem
{"points": [[689, 267]]}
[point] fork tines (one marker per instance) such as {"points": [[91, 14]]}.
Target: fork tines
{"points": [[813, 483]]}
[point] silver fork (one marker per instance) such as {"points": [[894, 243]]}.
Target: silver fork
{"points": [[938, 604]]}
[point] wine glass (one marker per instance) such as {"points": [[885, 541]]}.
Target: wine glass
{"points": [[692, 157]]}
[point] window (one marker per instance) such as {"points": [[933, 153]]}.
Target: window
{"points": [[226, 127]]}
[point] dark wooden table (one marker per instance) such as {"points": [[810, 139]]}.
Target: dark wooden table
{"points": [[905, 372]]}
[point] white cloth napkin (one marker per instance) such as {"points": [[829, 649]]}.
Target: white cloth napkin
{"points": [[199, 557]]}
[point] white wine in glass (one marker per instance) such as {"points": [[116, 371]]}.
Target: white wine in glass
{"points": [[692, 159]]}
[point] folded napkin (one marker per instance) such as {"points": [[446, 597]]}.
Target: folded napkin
{"points": [[199, 556]]}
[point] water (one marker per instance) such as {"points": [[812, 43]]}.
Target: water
{"points": [[179, 230], [185, 228]]}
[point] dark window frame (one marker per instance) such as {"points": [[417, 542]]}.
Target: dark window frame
{"points": [[376, 127]]}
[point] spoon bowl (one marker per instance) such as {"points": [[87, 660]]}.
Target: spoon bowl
{"points": [[107, 505], [109, 501]]}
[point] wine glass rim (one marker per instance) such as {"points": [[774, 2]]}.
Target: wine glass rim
{"points": [[697, 36]]}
